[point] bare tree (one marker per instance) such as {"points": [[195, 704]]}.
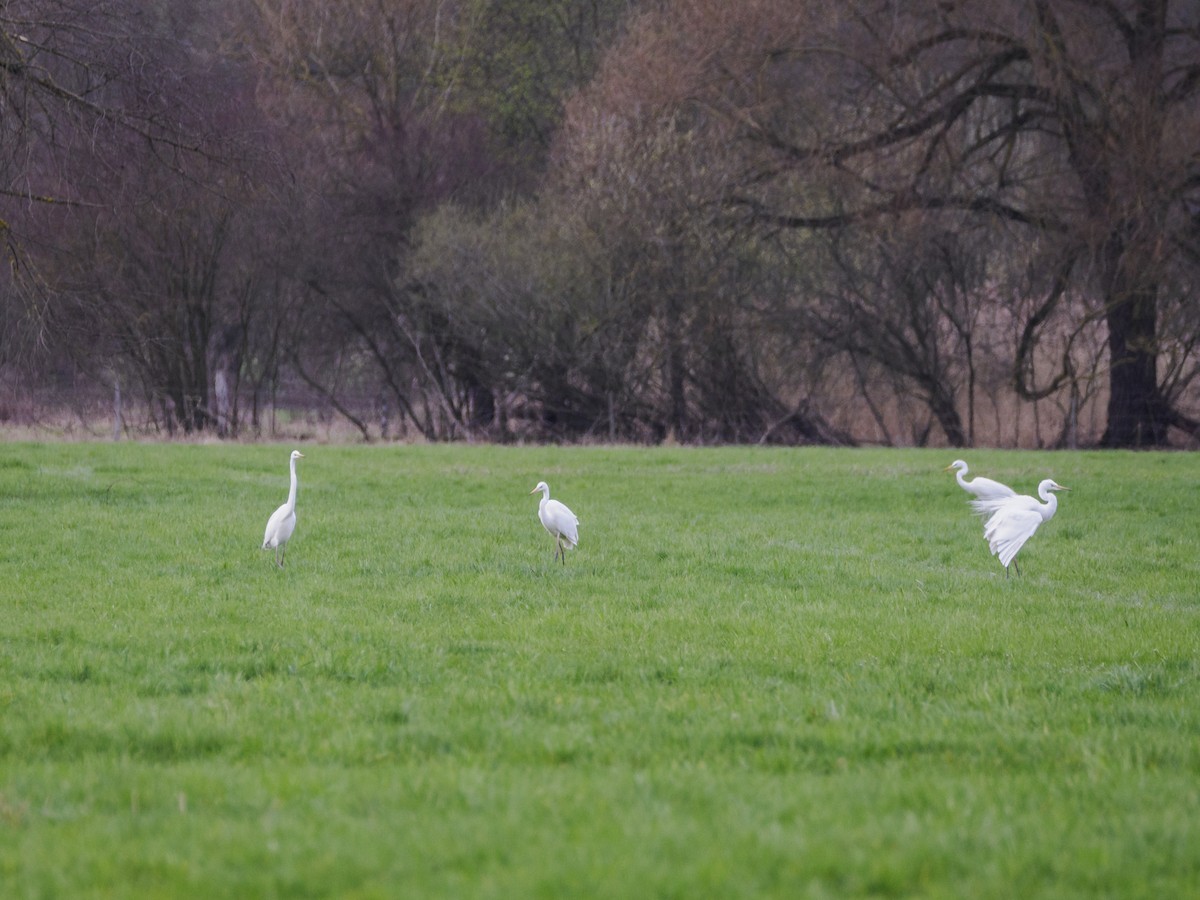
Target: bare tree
{"points": [[907, 302], [398, 109], [123, 130], [1073, 121]]}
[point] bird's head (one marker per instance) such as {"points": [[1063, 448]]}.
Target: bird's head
{"points": [[296, 454], [957, 464], [1045, 487], [541, 486]]}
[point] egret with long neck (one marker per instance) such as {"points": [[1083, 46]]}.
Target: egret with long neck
{"points": [[562, 524], [1013, 522], [283, 521], [981, 488]]}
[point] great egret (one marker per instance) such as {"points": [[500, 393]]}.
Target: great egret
{"points": [[982, 488], [283, 521], [562, 524], [1014, 521]]}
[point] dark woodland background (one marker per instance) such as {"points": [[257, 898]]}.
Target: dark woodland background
{"points": [[952, 223]]}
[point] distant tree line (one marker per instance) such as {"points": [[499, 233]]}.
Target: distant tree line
{"points": [[974, 221]]}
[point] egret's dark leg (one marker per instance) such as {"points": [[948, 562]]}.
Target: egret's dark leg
{"points": [[562, 551], [1018, 568]]}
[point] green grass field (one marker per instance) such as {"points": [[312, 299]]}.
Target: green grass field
{"points": [[764, 673]]}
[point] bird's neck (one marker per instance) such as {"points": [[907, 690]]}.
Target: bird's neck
{"points": [[291, 500]]}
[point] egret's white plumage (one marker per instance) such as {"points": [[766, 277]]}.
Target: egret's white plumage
{"points": [[562, 524], [983, 488], [283, 521], [1014, 520]]}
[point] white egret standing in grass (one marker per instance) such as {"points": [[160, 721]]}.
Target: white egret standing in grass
{"points": [[1014, 520], [283, 521], [982, 488], [562, 524]]}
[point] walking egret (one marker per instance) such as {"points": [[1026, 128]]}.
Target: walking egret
{"points": [[562, 524], [1013, 521], [982, 488], [283, 521]]}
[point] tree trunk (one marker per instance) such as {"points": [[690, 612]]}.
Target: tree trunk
{"points": [[118, 423], [941, 404], [1137, 415], [221, 395], [677, 403]]}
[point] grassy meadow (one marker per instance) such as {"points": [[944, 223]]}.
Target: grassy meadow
{"points": [[764, 673]]}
